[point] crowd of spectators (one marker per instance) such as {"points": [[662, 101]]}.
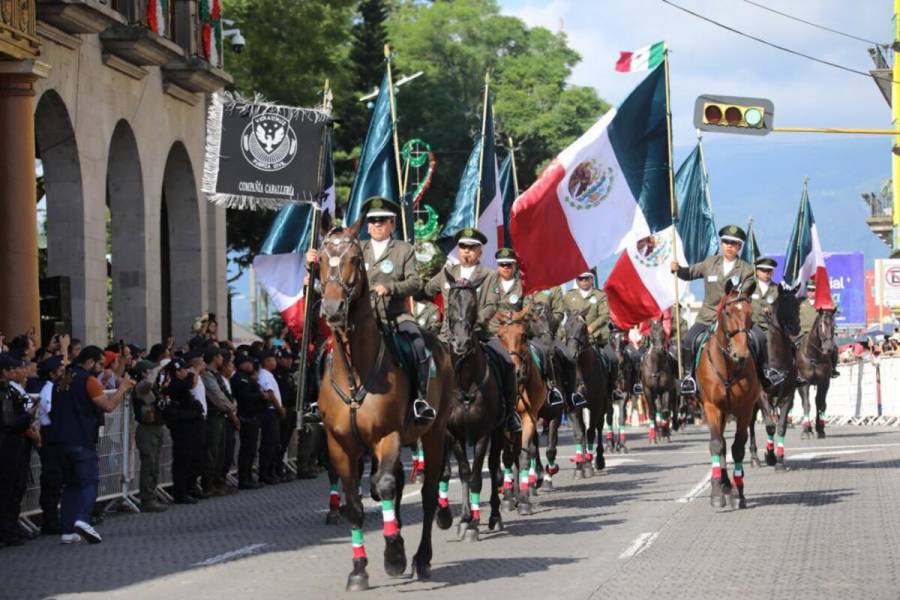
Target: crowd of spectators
{"points": [[209, 395]]}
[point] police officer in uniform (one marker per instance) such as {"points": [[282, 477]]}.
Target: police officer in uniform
{"points": [[285, 376], [15, 451], [808, 315], [761, 301], [593, 306], [252, 405], [470, 243], [391, 271], [715, 272], [184, 414]]}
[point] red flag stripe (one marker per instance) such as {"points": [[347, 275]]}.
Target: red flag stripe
{"points": [[624, 63], [629, 301]]}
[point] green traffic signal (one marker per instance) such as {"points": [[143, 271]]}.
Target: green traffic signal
{"points": [[734, 114]]}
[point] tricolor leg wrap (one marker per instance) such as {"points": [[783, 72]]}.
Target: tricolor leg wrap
{"points": [[444, 494], [739, 474], [389, 517], [622, 436], [779, 446], [334, 498], [474, 499], [507, 479], [359, 546], [770, 442], [532, 471], [579, 453], [523, 481], [716, 467]]}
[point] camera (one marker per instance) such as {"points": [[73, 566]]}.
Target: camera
{"points": [[238, 42]]}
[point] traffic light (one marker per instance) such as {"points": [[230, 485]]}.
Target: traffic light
{"points": [[734, 114]]}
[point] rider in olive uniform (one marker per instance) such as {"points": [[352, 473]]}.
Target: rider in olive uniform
{"points": [[470, 243], [808, 318], [715, 272], [761, 301]]}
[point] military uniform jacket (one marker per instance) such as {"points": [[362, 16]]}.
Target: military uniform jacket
{"points": [[509, 301], [487, 285], [395, 269], [807, 316], [762, 304], [594, 308], [714, 279], [553, 297], [428, 316]]}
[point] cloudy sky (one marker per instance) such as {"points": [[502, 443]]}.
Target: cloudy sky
{"points": [[751, 177]]}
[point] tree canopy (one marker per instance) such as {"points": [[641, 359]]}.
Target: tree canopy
{"points": [[292, 47]]}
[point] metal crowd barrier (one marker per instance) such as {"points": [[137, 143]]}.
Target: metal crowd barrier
{"points": [[120, 465]]}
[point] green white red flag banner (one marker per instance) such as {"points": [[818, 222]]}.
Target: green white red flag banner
{"points": [[642, 59]]}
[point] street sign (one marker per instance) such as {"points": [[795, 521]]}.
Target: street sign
{"points": [[887, 281], [847, 278]]}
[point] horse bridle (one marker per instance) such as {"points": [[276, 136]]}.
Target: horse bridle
{"points": [[525, 374], [467, 396], [731, 334], [334, 276]]}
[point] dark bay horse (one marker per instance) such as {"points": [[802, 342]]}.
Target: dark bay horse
{"points": [[541, 331], [658, 375], [364, 404], [729, 385], [814, 364], [532, 391], [476, 418], [622, 391], [593, 373], [776, 403]]}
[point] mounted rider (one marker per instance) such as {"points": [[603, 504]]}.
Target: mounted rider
{"points": [[470, 243], [593, 306], [391, 271], [808, 316], [761, 302], [513, 299], [715, 272]]}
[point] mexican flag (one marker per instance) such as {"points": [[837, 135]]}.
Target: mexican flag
{"points": [[211, 32], [157, 16], [805, 259], [642, 59], [605, 193]]}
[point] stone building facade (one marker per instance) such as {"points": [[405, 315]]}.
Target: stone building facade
{"points": [[118, 102]]}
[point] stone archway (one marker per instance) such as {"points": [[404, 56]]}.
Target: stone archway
{"points": [[185, 284], [66, 252], [125, 199]]}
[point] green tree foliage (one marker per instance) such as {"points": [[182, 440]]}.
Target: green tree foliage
{"points": [[293, 46]]}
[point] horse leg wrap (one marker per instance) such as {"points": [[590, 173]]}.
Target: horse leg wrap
{"points": [[334, 498], [739, 475], [770, 442], [806, 420], [523, 481], [359, 546], [389, 517], [609, 436], [659, 419], [507, 479], [579, 454], [532, 471], [622, 435], [779, 446], [474, 499], [716, 468], [652, 432], [444, 494]]}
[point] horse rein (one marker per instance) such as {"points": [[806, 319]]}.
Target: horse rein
{"points": [[727, 351], [467, 396]]}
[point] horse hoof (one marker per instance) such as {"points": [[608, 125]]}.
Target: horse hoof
{"points": [[780, 467], [754, 462], [461, 528], [525, 509], [624, 449], [394, 556], [732, 501], [495, 522], [332, 518], [588, 469], [420, 569], [820, 435], [444, 518], [742, 503], [548, 485], [771, 459], [600, 462], [471, 534], [509, 504], [579, 473], [358, 583]]}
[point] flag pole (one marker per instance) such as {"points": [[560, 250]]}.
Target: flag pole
{"points": [[487, 85], [512, 154], [400, 182], [674, 209]]}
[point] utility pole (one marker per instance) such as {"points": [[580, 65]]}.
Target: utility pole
{"points": [[895, 121]]}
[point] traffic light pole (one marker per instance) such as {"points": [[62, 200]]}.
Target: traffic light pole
{"points": [[895, 122], [674, 210]]}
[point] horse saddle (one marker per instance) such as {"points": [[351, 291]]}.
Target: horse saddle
{"points": [[538, 354], [700, 341], [496, 363]]}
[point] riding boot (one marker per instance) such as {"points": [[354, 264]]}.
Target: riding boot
{"points": [[688, 384], [423, 412], [511, 394], [554, 396], [834, 362]]}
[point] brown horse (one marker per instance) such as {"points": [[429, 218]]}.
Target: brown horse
{"points": [[364, 403], [729, 386], [532, 392], [658, 375], [815, 361]]}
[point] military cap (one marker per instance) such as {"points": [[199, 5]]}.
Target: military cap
{"points": [[811, 284], [505, 256], [586, 274], [176, 364], [733, 233], [378, 206], [50, 364], [469, 236], [767, 264]]}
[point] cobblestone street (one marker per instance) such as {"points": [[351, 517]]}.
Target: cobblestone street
{"points": [[828, 528]]}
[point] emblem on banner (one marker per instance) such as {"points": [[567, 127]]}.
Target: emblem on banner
{"points": [[652, 250], [269, 143], [589, 185]]}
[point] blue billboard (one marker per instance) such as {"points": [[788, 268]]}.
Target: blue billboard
{"points": [[847, 275]]}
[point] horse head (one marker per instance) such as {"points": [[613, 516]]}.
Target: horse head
{"points": [[657, 335], [824, 328], [785, 315], [541, 320], [735, 320], [576, 334], [625, 370], [461, 314], [512, 329], [343, 275]]}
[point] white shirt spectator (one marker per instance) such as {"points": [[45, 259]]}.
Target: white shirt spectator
{"points": [[46, 403], [199, 393], [267, 383]]}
